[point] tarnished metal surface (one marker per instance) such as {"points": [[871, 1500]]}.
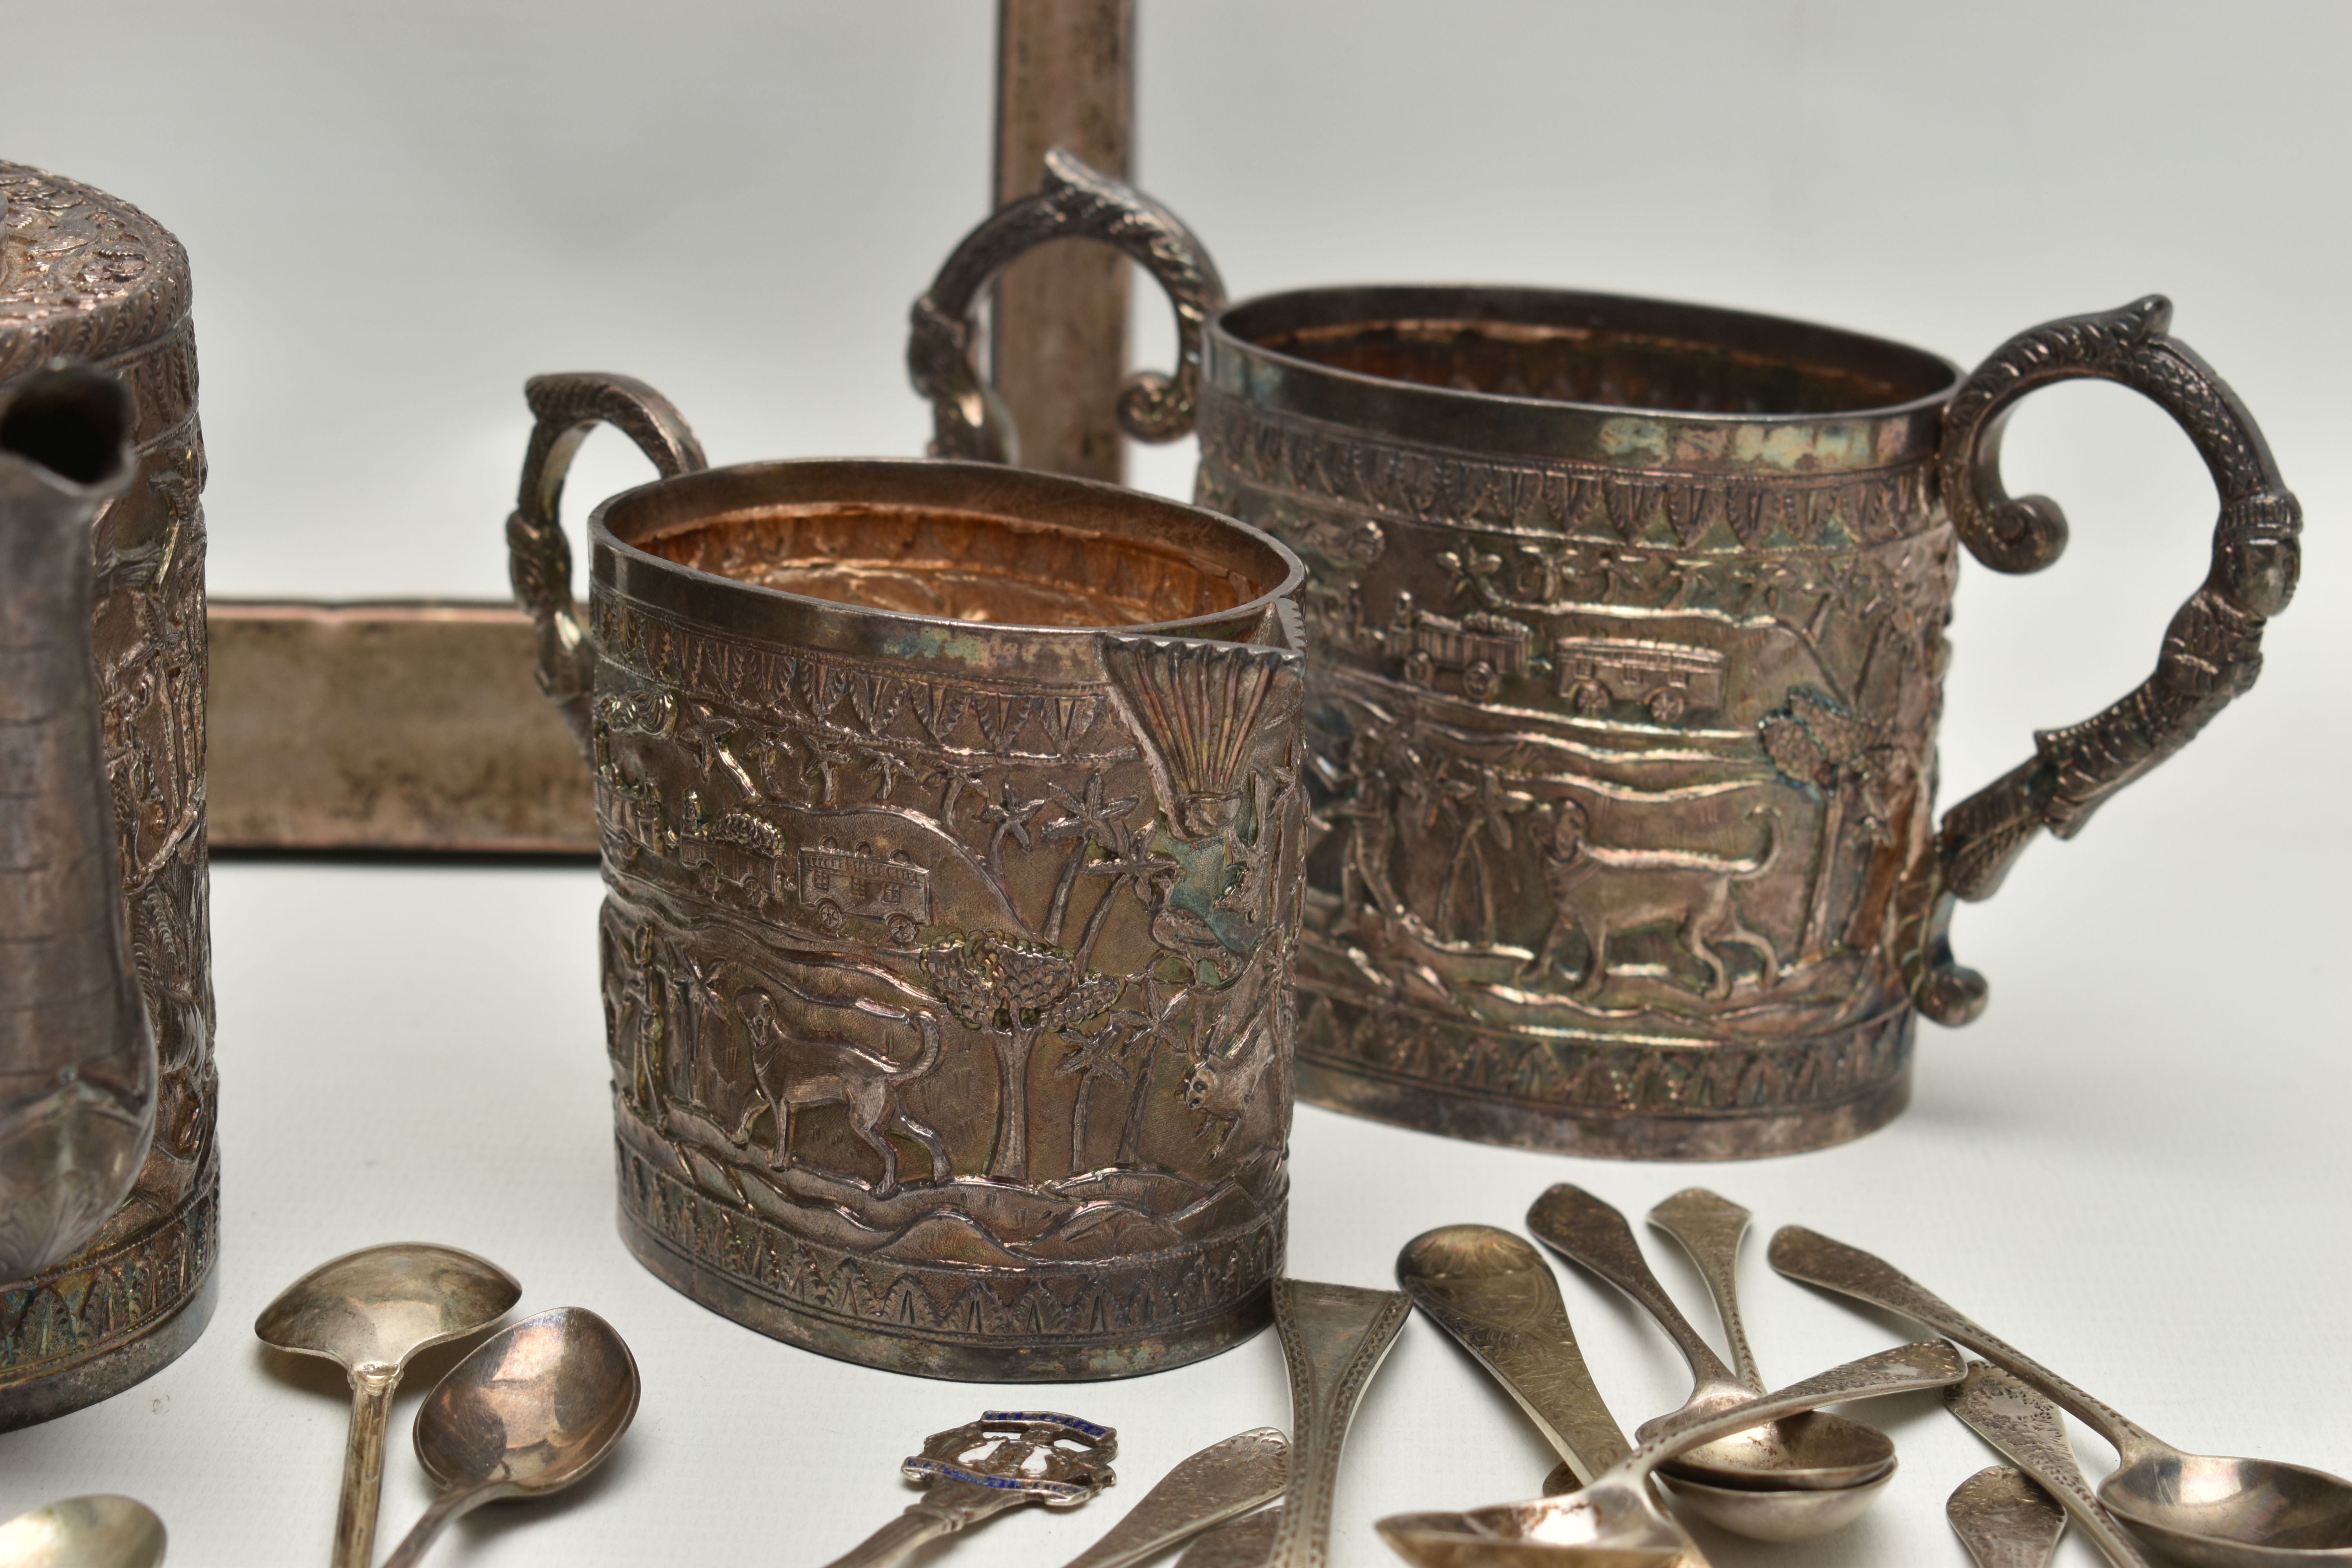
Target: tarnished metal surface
{"points": [[77, 1051], [1784, 1480], [2027, 1429], [369, 1311], [2005, 1519], [101, 1530], [976, 1471], [1225, 1479], [952, 821], [532, 1410], [1616, 1522], [1065, 77], [85, 275], [388, 727], [1627, 631], [2202, 1508], [1334, 1338]]}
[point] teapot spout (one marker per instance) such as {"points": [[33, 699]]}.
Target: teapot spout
{"points": [[78, 1067]]}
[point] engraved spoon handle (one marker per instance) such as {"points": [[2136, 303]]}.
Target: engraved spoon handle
{"points": [[1333, 1339], [1504, 1308], [2026, 1429], [1587, 1231], [1219, 1482], [1929, 1364], [947, 1507], [1710, 1229], [2005, 1519], [363, 1494], [1806, 1255]]}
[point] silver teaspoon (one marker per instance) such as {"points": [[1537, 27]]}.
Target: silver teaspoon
{"points": [[2203, 1510], [530, 1410], [1824, 1453], [1616, 1522], [370, 1310]]}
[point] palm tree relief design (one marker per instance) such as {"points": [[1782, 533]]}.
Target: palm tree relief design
{"points": [[1016, 993]]}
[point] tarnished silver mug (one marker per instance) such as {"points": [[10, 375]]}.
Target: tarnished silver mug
{"points": [[1626, 631], [89, 277], [952, 824]]}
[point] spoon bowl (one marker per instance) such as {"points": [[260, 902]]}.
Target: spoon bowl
{"points": [[530, 1410], [98, 1531], [369, 1311], [2199, 1510], [1813, 1453], [1615, 1523], [533, 1409], [1764, 1514], [1494, 1294], [2212, 1511]]}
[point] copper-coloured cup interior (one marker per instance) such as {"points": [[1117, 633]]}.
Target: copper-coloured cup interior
{"points": [[960, 565], [1592, 349]]}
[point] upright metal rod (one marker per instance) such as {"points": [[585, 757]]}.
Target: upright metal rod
{"points": [[1066, 77]]}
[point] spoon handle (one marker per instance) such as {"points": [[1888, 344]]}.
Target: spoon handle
{"points": [[2005, 1519], [1507, 1312], [432, 1521], [2026, 1429], [1805, 1254], [363, 1495], [947, 1507], [1220, 1481], [1587, 1231], [1930, 1365], [1710, 1229], [1334, 1338], [1242, 1543]]}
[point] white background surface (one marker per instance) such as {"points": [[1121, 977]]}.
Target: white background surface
{"points": [[2135, 1165]]}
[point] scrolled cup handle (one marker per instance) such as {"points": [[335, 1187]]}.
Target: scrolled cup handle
{"points": [[1072, 201], [2212, 649], [539, 558]]}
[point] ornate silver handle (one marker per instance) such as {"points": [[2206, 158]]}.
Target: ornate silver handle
{"points": [[1223, 1480], [979, 1470], [2005, 1519], [1334, 1337], [2213, 650], [1931, 1364], [1072, 202], [1808, 1256], [1508, 1314], [2025, 1428], [539, 558], [1589, 1232], [1709, 1228]]}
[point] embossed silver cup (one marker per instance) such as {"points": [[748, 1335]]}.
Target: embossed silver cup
{"points": [[952, 826], [1626, 651]]}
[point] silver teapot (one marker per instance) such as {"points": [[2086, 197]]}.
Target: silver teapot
{"points": [[109, 1183]]}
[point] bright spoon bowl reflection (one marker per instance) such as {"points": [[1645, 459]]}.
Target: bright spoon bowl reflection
{"points": [[534, 1408], [1607, 1530], [2208, 1511]]}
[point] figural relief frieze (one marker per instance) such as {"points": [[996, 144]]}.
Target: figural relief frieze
{"points": [[798, 1024], [1613, 781]]}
